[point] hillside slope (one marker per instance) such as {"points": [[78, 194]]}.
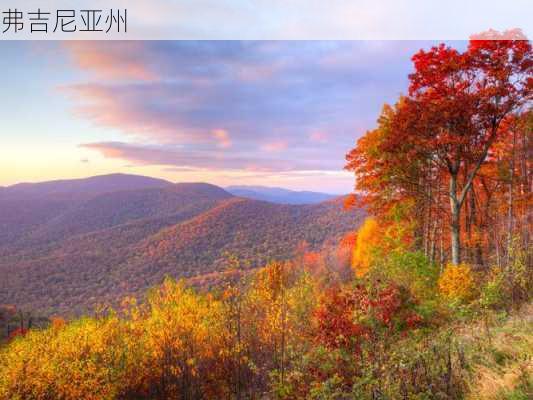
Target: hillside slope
{"points": [[255, 231], [117, 208], [28, 206], [118, 243]]}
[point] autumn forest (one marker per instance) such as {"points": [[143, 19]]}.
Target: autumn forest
{"points": [[416, 286]]}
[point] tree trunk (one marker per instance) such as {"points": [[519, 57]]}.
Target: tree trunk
{"points": [[433, 242], [510, 221], [441, 239], [455, 208]]}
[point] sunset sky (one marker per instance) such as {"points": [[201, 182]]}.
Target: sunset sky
{"points": [[268, 113]]}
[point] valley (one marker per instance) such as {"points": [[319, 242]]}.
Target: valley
{"points": [[94, 241]]}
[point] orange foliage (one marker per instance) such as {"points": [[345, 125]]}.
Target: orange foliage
{"points": [[457, 282], [432, 148], [345, 318], [57, 322], [350, 201], [335, 320], [349, 240], [17, 332]]}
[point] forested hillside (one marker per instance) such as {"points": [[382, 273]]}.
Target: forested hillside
{"points": [[27, 207], [106, 244]]}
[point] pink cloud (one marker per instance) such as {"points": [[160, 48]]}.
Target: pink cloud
{"points": [[222, 137], [112, 60], [127, 109], [192, 100], [196, 159], [319, 137], [275, 146]]}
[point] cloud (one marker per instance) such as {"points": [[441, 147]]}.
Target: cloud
{"points": [[279, 106], [115, 60], [318, 137], [187, 159], [275, 146], [222, 137]]}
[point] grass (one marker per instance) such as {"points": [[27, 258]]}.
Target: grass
{"points": [[502, 359]]}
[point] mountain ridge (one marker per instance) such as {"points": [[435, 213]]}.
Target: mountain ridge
{"points": [[90, 185], [105, 246], [279, 195]]}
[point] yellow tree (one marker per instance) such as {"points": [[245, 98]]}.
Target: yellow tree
{"points": [[369, 237]]}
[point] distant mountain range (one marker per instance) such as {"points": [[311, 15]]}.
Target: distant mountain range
{"points": [[279, 195], [66, 246]]}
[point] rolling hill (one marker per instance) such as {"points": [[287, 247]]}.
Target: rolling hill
{"points": [[279, 195], [28, 206], [79, 248], [84, 187]]}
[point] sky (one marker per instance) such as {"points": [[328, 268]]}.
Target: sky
{"points": [[274, 113]]}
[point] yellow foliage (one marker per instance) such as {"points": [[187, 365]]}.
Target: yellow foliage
{"points": [[176, 344], [457, 282], [68, 361], [368, 239]]}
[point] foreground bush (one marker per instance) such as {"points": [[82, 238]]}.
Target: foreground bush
{"points": [[457, 282], [280, 333]]}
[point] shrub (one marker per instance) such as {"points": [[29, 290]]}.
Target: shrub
{"points": [[412, 270], [492, 292], [366, 246], [456, 283]]}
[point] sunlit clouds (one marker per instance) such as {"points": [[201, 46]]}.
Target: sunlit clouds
{"points": [[319, 137], [212, 109], [275, 146], [222, 138], [115, 60]]}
